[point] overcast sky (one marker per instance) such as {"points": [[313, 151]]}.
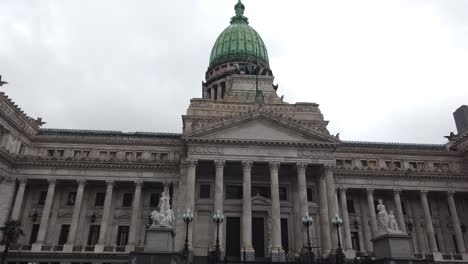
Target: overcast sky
{"points": [[380, 70]]}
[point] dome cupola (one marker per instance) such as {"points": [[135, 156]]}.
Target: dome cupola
{"points": [[238, 42]]}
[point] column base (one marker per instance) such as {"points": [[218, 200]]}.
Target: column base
{"points": [[277, 255], [437, 256], [99, 248], [464, 256], [350, 253], [68, 248], [36, 247], [247, 254]]}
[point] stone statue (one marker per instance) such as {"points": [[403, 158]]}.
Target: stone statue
{"points": [[386, 222], [164, 215], [392, 223]]}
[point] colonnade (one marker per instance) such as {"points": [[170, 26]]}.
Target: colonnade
{"points": [[328, 204], [106, 219]]}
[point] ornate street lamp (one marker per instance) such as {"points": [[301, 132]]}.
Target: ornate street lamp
{"points": [[218, 218], [188, 218], [307, 221], [338, 222]]}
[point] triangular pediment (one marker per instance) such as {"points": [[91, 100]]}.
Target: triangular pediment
{"points": [[262, 127]]}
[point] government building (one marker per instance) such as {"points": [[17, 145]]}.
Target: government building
{"points": [[85, 196]]}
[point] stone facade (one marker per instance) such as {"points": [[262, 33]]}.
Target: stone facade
{"points": [[265, 164]]}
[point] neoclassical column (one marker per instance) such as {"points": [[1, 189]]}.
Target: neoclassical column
{"points": [[190, 194], [15, 214], [135, 221], [302, 191], [332, 203], [277, 253], [219, 196], [428, 220], [399, 210], [367, 233], [76, 216], [44, 225], [456, 223], [247, 248], [324, 221], [105, 217], [373, 219], [344, 212]]}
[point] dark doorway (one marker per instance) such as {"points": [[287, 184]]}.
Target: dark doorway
{"points": [[258, 238], [284, 235], [233, 237], [93, 235], [63, 235]]}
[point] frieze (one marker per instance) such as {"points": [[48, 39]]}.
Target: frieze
{"points": [[203, 150], [314, 154]]}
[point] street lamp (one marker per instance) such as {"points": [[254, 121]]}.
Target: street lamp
{"points": [[218, 218], [338, 222], [307, 221], [188, 218]]}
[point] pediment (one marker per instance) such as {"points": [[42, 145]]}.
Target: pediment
{"points": [[261, 127]]}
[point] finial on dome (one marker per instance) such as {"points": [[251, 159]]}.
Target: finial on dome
{"points": [[239, 18]]}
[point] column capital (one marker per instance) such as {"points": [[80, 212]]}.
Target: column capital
{"points": [[328, 168], [397, 191], [424, 191], [22, 180], [52, 181], [247, 164], [138, 182], [450, 193], [81, 181], [219, 164], [274, 165], [342, 189], [192, 163], [370, 190], [110, 183], [302, 165]]}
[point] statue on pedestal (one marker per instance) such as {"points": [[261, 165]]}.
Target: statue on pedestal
{"points": [[386, 222], [164, 216]]}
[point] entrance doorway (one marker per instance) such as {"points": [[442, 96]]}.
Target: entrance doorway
{"points": [[233, 237], [258, 237]]}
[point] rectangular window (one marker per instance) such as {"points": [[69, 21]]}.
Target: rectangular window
{"points": [[71, 198], [127, 200], [99, 201], [63, 235], [261, 191], [372, 164], [233, 192], [164, 156], [154, 199], [310, 194], [421, 165], [388, 164], [113, 154], [397, 164], [355, 241], [139, 155], [348, 163], [77, 154], [34, 231], [42, 198], [283, 193], [205, 191], [60, 152], [93, 236], [412, 165], [154, 156], [129, 155], [122, 236], [350, 205], [86, 153], [50, 152], [364, 163], [339, 162]]}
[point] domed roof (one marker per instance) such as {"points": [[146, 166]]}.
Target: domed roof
{"points": [[239, 41]]}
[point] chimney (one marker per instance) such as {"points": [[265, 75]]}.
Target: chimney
{"points": [[461, 118]]}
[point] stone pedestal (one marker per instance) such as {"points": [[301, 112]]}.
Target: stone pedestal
{"points": [[159, 240], [393, 246]]}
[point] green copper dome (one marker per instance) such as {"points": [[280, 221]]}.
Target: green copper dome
{"points": [[238, 42]]}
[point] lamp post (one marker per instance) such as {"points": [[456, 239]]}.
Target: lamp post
{"points": [[307, 221], [218, 218], [188, 218], [338, 222]]}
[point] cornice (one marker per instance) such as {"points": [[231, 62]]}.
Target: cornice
{"points": [[396, 150], [108, 140], [340, 172], [61, 255], [167, 166], [318, 145]]}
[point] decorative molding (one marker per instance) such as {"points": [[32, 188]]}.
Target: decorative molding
{"points": [[247, 164], [219, 164], [314, 154], [203, 150], [274, 165]]}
